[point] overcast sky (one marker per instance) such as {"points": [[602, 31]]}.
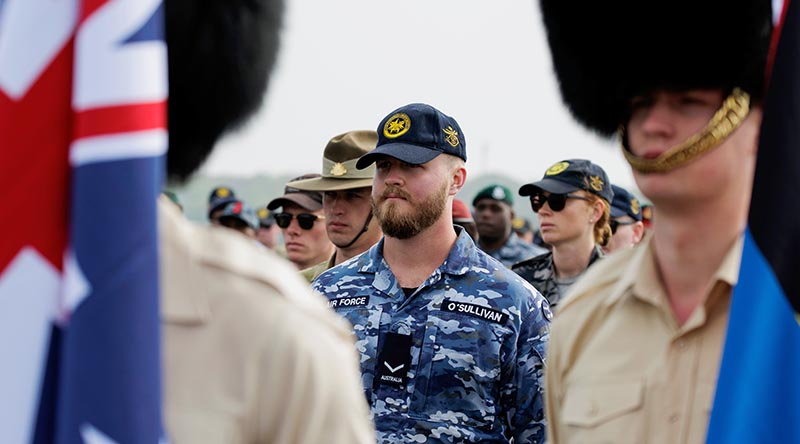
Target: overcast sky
{"points": [[345, 64]]}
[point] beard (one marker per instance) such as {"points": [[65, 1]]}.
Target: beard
{"points": [[400, 225]]}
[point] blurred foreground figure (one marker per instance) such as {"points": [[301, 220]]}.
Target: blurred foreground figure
{"points": [[635, 349], [251, 356]]}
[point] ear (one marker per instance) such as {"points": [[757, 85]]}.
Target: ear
{"points": [[638, 232], [459, 177], [597, 211]]}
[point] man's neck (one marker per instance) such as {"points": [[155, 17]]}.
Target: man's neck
{"points": [[492, 245], [364, 243], [413, 260], [689, 248], [572, 258]]}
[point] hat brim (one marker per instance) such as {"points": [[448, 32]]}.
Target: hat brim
{"points": [[297, 199], [329, 184], [408, 153], [549, 185]]}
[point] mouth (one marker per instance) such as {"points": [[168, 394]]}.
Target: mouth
{"points": [[337, 226]]}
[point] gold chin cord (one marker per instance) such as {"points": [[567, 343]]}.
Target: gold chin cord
{"points": [[731, 114]]}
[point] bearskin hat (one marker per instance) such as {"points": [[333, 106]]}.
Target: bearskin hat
{"points": [[605, 53], [220, 55]]}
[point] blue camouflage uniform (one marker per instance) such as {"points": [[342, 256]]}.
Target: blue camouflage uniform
{"points": [[516, 250], [541, 273], [476, 334]]}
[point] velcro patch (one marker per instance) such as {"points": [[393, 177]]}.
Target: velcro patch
{"points": [[352, 301], [475, 310], [394, 360]]}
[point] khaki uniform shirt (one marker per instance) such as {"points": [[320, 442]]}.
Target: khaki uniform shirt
{"points": [[311, 273], [250, 354], [621, 369]]}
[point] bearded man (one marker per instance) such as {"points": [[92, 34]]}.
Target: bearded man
{"points": [[452, 343]]}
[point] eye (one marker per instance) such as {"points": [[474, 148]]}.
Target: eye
{"points": [[382, 164], [641, 102]]}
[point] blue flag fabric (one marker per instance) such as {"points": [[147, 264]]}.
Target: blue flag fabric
{"points": [[83, 90], [758, 391]]}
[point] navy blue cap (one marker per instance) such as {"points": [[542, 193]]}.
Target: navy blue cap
{"points": [[238, 210], [572, 175], [265, 217], [625, 204], [219, 197], [416, 134]]}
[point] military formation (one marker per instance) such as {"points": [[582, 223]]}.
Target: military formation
{"points": [[369, 304]]}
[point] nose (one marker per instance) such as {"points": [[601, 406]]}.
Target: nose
{"points": [[657, 120], [293, 229], [393, 177]]}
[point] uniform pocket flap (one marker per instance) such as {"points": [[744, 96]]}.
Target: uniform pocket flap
{"points": [[590, 406]]}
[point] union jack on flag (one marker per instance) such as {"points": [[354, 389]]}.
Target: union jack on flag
{"points": [[83, 88]]}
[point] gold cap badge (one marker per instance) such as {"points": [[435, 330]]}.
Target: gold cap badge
{"points": [[223, 192], [396, 126], [596, 183], [338, 169], [557, 169], [263, 213], [635, 207], [452, 136]]}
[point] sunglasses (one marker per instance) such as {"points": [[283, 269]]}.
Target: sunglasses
{"points": [[305, 220], [557, 202], [614, 224]]}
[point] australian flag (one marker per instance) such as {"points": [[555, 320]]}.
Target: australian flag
{"points": [[83, 87], [758, 393]]}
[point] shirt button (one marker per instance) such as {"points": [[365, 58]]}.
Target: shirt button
{"points": [[592, 410], [681, 344], [673, 418]]}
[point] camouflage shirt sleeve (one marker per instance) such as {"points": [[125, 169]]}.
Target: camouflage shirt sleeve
{"points": [[523, 389]]}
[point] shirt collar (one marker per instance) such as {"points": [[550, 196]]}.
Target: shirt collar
{"points": [[462, 254], [641, 279]]}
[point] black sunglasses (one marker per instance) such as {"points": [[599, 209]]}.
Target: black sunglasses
{"points": [[557, 202], [614, 224], [305, 220]]}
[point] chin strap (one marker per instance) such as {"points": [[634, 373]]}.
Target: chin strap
{"points": [[730, 116], [363, 230]]}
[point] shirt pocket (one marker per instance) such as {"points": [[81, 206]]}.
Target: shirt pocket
{"points": [[458, 379], [366, 327], [609, 412]]}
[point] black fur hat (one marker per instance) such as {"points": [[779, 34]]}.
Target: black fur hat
{"points": [[606, 52], [221, 53]]}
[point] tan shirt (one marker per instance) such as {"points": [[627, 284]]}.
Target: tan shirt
{"points": [[620, 368], [250, 354]]}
